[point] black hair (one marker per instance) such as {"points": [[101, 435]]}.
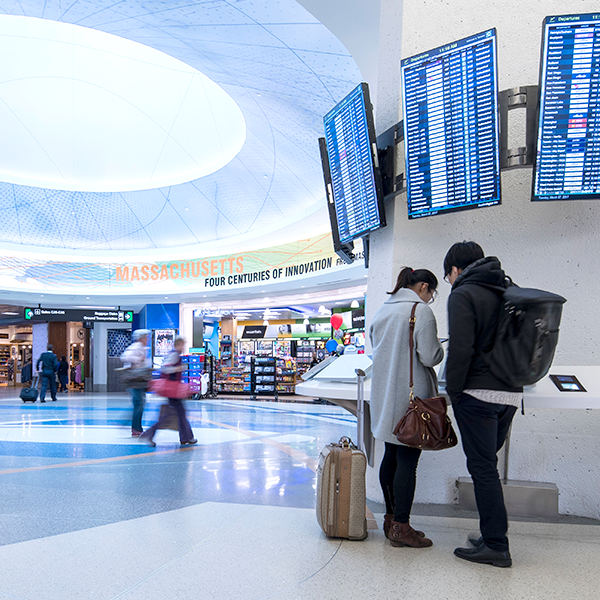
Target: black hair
{"points": [[407, 278], [63, 358], [461, 255]]}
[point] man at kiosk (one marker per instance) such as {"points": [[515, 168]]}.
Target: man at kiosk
{"points": [[483, 405]]}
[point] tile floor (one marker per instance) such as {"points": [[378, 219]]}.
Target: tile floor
{"points": [[87, 512]]}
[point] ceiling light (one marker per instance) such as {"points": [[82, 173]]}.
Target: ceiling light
{"points": [[10, 313], [96, 307], [322, 309], [132, 89], [354, 304]]}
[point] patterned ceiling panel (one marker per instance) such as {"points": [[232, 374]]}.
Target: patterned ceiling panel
{"points": [[284, 70]]}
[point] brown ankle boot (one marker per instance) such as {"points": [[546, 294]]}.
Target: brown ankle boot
{"points": [[402, 534], [387, 525]]}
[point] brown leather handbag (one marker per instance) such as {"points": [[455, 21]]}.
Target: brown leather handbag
{"points": [[426, 424]]}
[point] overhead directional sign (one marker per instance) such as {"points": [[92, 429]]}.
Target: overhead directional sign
{"points": [[69, 314]]}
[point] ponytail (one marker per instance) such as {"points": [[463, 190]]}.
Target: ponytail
{"points": [[408, 277]]}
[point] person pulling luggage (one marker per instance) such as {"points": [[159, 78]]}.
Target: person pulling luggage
{"points": [[49, 362]]}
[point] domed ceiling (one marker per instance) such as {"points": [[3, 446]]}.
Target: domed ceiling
{"points": [[144, 125]]}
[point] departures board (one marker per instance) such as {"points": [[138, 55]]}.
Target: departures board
{"points": [[352, 156], [567, 161], [450, 99]]}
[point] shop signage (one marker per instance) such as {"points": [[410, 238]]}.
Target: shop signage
{"points": [[358, 319], [254, 331], [69, 314]]}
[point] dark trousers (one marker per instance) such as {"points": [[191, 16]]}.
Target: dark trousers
{"points": [[64, 380], [48, 381], [483, 428], [185, 429], [138, 399], [398, 479]]}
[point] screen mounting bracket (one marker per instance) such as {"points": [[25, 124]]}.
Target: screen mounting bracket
{"points": [[527, 97]]}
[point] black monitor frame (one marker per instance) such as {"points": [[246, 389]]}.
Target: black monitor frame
{"points": [[346, 245], [431, 55], [566, 20], [345, 251]]}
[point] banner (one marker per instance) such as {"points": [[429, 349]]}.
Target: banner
{"points": [[284, 262]]}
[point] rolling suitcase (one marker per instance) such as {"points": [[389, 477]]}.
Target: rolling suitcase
{"points": [[341, 491], [30, 394]]}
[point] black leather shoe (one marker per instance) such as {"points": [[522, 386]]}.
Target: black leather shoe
{"points": [[484, 555]]}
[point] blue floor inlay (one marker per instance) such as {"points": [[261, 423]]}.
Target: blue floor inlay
{"points": [[45, 491]]}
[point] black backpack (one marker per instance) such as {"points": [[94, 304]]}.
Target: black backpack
{"points": [[526, 336]]}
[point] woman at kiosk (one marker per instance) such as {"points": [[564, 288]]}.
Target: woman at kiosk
{"points": [[389, 333]]}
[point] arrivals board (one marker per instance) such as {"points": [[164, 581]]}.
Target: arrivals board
{"points": [[450, 99], [567, 163], [352, 155]]}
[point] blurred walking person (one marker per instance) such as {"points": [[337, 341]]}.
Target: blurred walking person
{"points": [[171, 386], [137, 376], [63, 373]]}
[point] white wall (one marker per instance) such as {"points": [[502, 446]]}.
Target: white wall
{"points": [[186, 326], [356, 24], [553, 246], [39, 340]]}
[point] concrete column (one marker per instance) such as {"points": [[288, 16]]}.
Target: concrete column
{"points": [[39, 341], [552, 245]]}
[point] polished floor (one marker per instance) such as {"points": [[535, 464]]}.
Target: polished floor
{"points": [[87, 512]]}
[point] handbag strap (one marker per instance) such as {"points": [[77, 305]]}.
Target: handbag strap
{"points": [[411, 344]]}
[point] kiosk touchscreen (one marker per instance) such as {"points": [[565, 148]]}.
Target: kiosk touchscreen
{"points": [[567, 383]]}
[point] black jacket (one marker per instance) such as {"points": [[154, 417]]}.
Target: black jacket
{"points": [[63, 367], [472, 321]]}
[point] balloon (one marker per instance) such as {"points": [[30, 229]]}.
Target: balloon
{"points": [[338, 334], [331, 345], [340, 349], [336, 320]]}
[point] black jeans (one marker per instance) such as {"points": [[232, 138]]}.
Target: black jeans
{"points": [[398, 479], [483, 428]]}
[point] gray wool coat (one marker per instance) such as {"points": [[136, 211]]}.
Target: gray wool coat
{"points": [[390, 377]]}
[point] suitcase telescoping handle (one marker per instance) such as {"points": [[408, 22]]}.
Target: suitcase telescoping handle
{"points": [[360, 409]]}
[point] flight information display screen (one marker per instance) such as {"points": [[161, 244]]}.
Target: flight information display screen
{"points": [[352, 155], [567, 158], [450, 97]]}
